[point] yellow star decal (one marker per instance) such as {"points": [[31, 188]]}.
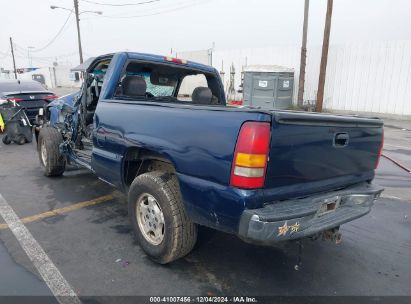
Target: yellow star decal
{"points": [[295, 227], [282, 230]]}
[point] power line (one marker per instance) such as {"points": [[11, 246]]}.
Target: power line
{"points": [[21, 52], [148, 10], [56, 36], [58, 55], [5, 54], [155, 13], [120, 4], [17, 47]]}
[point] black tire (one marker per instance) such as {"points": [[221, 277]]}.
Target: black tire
{"points": [[29, 139], [54, 164], [180, 234], [6, 140], [21, 140]]}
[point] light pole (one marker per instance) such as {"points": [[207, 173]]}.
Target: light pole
{"points": [[77, 13], [29, 56]]}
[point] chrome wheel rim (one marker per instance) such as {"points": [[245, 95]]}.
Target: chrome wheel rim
{"points": [[43, 153], [150, 219]]}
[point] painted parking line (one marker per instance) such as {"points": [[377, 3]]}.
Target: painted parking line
{"points": [[60, 211], [58, 285]]}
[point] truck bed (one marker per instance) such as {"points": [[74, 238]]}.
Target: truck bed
{"points": [[311, 147]]}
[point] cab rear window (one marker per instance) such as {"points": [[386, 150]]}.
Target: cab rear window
{"points": [[167, 83]]}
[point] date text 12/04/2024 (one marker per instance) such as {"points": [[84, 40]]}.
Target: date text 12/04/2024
{"points": [[204, 299]]}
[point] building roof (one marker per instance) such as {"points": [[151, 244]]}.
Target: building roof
{"points": [[268, 69]]}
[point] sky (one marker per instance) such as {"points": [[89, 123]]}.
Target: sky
{"points": [[181, 25]]}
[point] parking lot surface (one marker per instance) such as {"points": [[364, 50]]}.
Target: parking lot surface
{"points": [[87, 235]]}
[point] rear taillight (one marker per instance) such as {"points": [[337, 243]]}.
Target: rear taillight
{"points": [[251, 156], [15, 99], [380, 150], [50, 97]]}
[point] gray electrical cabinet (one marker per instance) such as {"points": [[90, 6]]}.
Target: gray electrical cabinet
{"points": [[268, 86]]}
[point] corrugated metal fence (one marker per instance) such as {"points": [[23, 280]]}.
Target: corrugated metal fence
{"points": [[367, 77], [370, 78]]}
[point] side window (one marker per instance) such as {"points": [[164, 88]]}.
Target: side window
{"points": [[189, 83]]}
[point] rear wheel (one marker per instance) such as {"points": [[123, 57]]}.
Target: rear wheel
{"points": [[158, 217], [51, 161], [21, 140], [6, 140]]}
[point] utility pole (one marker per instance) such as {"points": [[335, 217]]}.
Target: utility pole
{"points": [[324, 57], [14, 60], [303, 57], [78, 30]]}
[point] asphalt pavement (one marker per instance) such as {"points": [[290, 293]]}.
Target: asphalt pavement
{"points": [[15, 280], [93, 248]]}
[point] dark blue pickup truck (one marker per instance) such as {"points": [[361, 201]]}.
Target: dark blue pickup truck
{"points": [[158, 129]]}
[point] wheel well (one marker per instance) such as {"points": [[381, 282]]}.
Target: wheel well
{"points": [[138, 161]]}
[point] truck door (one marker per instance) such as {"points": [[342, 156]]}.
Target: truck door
{"points": [[108, 146], [107, 136]]}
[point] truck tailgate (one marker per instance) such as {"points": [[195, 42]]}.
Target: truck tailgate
{"points": [[311, 147]]}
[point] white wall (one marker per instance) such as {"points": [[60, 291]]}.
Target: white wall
{"points": [[200, 56], [368, 77], [6, 76], [58, 76], [46, 72]]}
